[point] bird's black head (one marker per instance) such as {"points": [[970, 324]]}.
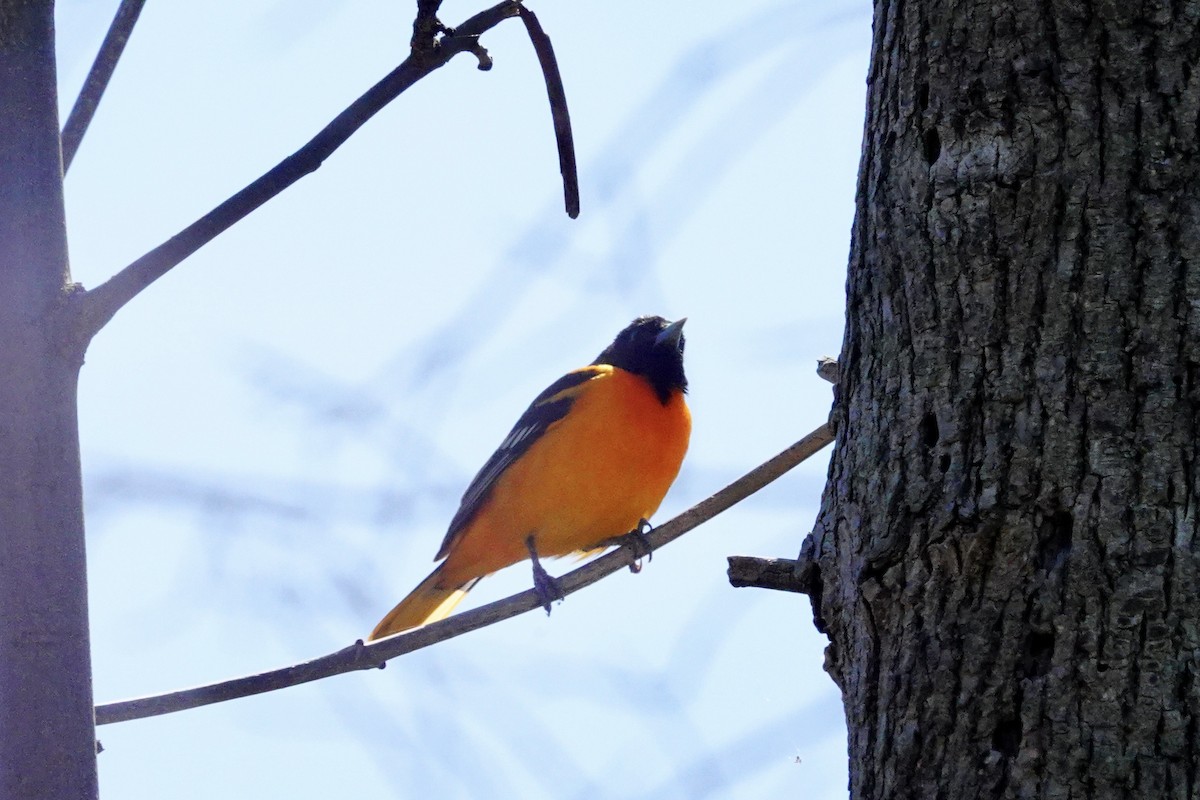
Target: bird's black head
{"points": [[653, 348]]}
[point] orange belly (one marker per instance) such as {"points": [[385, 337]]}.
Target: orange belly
{"points": [[593, 475]]}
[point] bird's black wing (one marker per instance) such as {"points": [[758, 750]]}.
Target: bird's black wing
{"points": [[547, 408]]}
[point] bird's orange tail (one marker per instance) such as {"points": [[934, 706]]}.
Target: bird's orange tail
{"points": [[424, 604]]}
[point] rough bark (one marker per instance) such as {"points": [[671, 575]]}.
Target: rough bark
{"points": [[1007, 550], [47, 742]]}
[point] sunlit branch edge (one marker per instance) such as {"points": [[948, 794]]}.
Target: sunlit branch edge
{"points": [[359, 656], [98, 306]]}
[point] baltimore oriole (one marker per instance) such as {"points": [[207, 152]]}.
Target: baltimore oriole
{"points": [[589, 460]]}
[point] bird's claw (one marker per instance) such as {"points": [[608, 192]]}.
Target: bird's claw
{"points": [[637, 543], [545, 585]]}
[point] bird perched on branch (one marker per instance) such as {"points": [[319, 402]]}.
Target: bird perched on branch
{"points": [[589, 461]]}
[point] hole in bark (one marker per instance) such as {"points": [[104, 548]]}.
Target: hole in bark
{"points": [[976, 94], [1183, 687], [1006, 739], [944, 462], [1056, 534], [931, 145], [1038, 654], [929, 430], [922, 97]]}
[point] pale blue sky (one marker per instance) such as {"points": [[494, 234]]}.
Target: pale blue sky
{"points": [[276, 433]]}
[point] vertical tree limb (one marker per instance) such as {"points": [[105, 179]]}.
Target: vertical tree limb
{"points": [[47, 735], [1007, 546]]}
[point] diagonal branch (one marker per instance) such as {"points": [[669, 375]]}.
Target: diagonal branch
{"points": [[558, 109], [98, 306], [360, 656], [97, 79]]}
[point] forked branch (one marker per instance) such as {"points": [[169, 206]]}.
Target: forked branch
{"points": [[360, 656]]}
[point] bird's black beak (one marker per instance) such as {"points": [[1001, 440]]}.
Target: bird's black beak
{"points": [[671, 334]]}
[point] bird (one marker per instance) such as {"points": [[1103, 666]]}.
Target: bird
{"points": [[584, 467]]}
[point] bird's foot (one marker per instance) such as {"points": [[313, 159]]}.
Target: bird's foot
{"points": [[545, 585], [636, 542]]}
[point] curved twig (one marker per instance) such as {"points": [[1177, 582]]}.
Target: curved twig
{"points": [[98, 306], [558, 109], [368, 656]]}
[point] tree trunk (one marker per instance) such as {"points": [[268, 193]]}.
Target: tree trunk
{"points": [[1006, 557], [47, 737]]}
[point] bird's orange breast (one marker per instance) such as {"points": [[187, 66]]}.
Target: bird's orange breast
{"points": [[591, 476]]}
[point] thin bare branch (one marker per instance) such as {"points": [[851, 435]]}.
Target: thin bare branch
{"points": [[98, 306], [97, 79], [558, 110], [360, 656]]}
